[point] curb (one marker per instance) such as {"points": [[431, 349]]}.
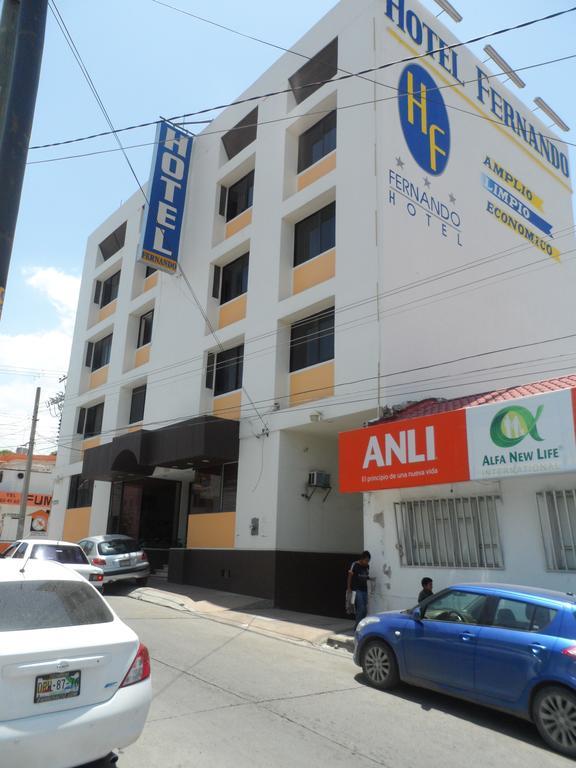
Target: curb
{"points": [[341, 641]]}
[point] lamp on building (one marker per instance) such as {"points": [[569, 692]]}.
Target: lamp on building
{"points": [[504, 66], [547, 109], [316, 416], [449, 9]]}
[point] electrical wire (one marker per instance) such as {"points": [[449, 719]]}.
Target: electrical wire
{"points": [[179, 118]]}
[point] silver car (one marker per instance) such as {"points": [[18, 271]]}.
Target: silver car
{"points": [[120, 557]]}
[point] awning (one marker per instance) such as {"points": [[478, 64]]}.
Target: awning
{"points": [[184, 445]]}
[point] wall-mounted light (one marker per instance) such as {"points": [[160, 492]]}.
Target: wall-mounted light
{"points": [[504, 66], [547, 109], [316, 416], [449, 9]]}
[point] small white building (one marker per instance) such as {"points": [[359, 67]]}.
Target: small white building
{"points": [[39, 501], [347, 244], [481, 489]]}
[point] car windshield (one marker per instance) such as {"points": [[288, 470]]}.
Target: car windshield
{"points": [[47, 604], [118, 546], [62, 554]]}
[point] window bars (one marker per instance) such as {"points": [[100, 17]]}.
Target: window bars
{"points": [[557, 511]]}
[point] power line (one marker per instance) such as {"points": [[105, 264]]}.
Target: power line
{"points": [[346, 76]]}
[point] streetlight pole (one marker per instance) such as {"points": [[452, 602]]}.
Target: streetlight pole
{"points": [[28, 471]]}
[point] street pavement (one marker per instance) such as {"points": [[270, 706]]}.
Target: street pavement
{"points": [[227, 696]]}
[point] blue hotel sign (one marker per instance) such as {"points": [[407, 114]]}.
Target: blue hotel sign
{"points": [[167, 197]]}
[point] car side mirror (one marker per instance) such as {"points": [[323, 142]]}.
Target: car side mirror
{"points": [[417, 614]]}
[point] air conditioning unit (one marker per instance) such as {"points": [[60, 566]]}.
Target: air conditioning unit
{"points": [[319, 480]]}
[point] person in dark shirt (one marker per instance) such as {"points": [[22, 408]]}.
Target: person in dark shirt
{"points": [[358, 577], [426, 589]]}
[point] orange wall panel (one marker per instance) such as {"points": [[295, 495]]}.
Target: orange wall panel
{"points": [[211, 531], [142, 356], [232, 311], [315, 271], [106, 311], [151, 281], [240, 222], [312, 384], [76, 524], [319, 169], [99, 377], [228, 406]]}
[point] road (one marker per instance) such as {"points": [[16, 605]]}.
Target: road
{"points": [[228, 697]]}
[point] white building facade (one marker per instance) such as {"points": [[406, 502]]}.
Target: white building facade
{"points": [[349, 244]]}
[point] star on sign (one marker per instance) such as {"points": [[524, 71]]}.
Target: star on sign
{"points": [[426, 181], [452, 198], [399, 162]]}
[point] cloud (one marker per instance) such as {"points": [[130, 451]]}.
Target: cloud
{"points": [[29, 360]]}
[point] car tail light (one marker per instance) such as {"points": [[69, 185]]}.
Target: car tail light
{"points": [[96, 577], [98, 561], [139, 669], [144, 557], [570, 652]]}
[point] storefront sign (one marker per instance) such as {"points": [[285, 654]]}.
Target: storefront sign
{"points": [[527, 436], [524, 436], [401, 454], [167, 198]]}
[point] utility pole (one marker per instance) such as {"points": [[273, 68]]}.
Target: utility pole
{"points": [[28, 472], [20, 60]]}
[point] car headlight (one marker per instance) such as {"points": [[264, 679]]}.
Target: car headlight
{"points": [[365, 622]]}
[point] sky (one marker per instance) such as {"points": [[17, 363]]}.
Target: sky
{"points": [[146, 61]]}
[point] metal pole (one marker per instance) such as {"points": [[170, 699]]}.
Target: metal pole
{"points": [[8, 30], [15, 138], [28, 472]]}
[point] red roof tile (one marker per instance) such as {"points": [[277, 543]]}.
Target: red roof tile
{"points": [[432, 405]]}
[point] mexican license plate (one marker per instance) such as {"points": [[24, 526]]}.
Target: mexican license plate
{"points": [[59, 685]]}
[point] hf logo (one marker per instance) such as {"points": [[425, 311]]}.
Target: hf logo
{"points": [[424, 119]]}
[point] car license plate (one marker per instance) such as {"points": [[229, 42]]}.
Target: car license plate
{"points": [[123, 561], [57, 686]]}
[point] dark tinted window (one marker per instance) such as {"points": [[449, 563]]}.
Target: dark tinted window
{"points": [[60, 553], [312, 340], [234, 279], [315, 72], [317, 142], [112, 244], [101, 352], [229, 370], [243, 134], [110, 289], [93, 420], [46, 604], [240, 196], [517, 614], [137, 404], [145, 328], [87, 546], [80, 493], [118, 546], [315, 234]]}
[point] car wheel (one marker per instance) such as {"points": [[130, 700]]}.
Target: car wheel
{"points": [[554, 712], [379, 665]]}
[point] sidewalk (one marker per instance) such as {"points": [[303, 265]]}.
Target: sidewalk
{"points": [[250, 613]]}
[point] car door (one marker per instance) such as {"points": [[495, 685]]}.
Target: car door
{"points": [[439, 648], [515, 649]]}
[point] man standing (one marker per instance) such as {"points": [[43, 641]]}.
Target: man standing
{"points": [[426, 589], [358, 577]]}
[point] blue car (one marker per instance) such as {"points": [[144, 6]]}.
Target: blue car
{"points": [[507, 647]]}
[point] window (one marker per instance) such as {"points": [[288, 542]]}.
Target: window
{"points": [[214, 491], [87, 546], [90, 420], [112, 244], [98, 353], [234, 279], [80, 493], [60, 553], [243, 134], [149, 271], [317, 142], [229, 365], [557, 511], [312, 340], [315, 72], [515, 614], [240, 196], [457, 606], [449, 533], [110, 289], [137, 404], [315, 234], [145, 329]]}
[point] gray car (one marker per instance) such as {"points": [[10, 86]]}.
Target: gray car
{"points": [[120, 557]]}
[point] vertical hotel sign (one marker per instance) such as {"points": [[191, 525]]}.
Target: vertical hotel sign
{"points": [[167, 198]]}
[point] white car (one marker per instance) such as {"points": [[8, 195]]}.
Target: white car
{"points": [[70, 555], [74, 679]]}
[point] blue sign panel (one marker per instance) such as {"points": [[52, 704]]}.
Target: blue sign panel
{"points": [[167, 196], [516, 205], [424, 119]]}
